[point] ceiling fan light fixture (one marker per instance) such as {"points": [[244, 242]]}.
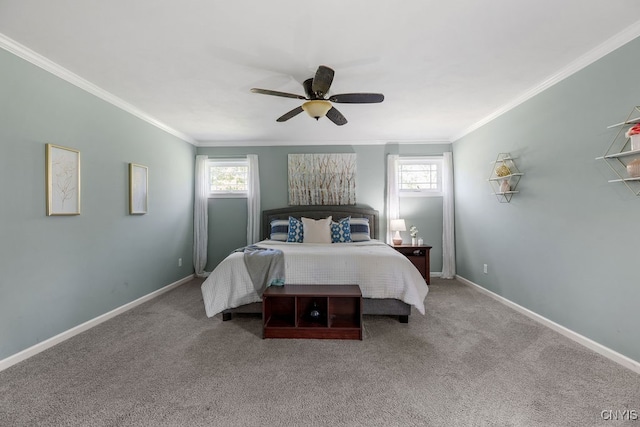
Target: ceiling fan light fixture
{"points": [[317, 108], [318, 105]]}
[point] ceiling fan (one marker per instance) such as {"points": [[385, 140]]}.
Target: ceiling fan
{"points": [[317, 105]]}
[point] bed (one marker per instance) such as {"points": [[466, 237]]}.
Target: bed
{"points": [[390, 283]]}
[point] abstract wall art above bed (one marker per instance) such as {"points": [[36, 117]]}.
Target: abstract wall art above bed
{"points": [[322, 179]]}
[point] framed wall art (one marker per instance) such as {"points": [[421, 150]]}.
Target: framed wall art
{"points": [[138, 189], [322, 179], [63, 180]]}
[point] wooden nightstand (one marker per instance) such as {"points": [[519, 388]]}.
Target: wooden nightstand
{"points": [[419, 256]]}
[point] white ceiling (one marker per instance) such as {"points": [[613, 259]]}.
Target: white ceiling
{"points": [[445, 67]]}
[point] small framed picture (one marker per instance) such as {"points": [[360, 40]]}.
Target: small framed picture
{"points": [[63, 180], [138, 188]]}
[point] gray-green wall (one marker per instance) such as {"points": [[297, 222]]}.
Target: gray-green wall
{"points": [[58, 272], [228, 217], [566, 247]]}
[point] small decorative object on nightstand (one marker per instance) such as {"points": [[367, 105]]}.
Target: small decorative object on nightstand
{"points": [[413, 230], [398, 225]]}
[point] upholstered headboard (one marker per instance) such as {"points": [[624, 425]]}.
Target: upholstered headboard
{"points": [[320, 211]]}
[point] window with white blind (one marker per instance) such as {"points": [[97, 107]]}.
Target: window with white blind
{"points": [[420, 176], [228, 177]]}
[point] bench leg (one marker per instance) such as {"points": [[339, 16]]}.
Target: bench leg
{"points": [[226, 316], [403, 318]]}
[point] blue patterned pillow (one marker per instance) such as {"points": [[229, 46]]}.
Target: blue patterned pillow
{"points": [[296, 232], [341, 231], [279, 230], [359, 229]]}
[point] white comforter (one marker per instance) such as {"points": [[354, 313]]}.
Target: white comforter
{"points": [[380, 270]]}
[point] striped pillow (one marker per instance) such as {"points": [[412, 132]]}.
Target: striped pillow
{"points": [[279, 230], [341, 231], [359, 229]]}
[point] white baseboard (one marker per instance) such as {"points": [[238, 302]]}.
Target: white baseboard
{"points": [[580, 339], [33, 350]]}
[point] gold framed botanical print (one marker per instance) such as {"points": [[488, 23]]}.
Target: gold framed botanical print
{"points": [[63, 180], [138, 189]]}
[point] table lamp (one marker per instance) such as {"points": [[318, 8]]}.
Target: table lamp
{"points": [[398, 225]]}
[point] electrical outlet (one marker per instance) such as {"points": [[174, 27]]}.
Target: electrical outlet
{"points": [[180, 263], [485, 269]]}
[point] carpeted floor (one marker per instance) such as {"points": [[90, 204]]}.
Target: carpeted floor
{"points": [[470, 361]]}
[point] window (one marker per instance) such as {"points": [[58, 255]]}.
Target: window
{"points": [[228, 177], [420, 176]]}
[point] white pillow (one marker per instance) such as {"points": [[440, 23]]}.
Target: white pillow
{"points": [[316, 231]]}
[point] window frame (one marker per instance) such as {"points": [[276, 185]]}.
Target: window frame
{"points": [[407, 160], [228, 162]]}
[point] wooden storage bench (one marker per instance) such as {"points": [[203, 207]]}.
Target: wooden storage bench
{"points": [[286, 311]]}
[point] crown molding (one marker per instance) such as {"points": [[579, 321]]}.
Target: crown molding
{"points": [[603, 49], [278, 143], [46, 64]]}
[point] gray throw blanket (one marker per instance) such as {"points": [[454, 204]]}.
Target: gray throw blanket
{"points": [[265, 266]]}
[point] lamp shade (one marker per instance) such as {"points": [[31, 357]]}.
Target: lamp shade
{"points": [[316, 108], [398, 225]]}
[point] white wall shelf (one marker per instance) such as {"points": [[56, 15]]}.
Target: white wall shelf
{"points": [[505, 177], [504, 185], [627, 122], [624, 180], [619, 153]]}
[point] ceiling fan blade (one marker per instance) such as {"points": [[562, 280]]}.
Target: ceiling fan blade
{"points": [[276, 93], [357, 98], [322, 81], [308, 89], [290, 114], [336, 116]]}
